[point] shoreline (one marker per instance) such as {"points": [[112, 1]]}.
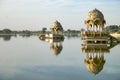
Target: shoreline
{"points": [[116, 35]]}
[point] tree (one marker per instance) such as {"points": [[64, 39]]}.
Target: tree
{"points": [[82, 29], [112, 28], [44, 29], [6, 31]]}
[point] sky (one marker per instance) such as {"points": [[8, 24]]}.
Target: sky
{"points": [[36, 14]]}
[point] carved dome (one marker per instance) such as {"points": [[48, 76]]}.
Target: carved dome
{"points": [[56, 26], [95, 14], [95, 18]]}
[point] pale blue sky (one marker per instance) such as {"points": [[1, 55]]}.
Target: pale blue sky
{"points": [[35, 14]]}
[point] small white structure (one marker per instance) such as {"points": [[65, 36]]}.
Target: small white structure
{"points": [[56, 32]]}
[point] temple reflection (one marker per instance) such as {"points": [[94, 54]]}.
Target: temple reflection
{"points": [[94, 59], [55, 45]]}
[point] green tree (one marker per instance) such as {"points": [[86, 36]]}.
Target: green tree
{"points": [[44, 29], [112, 28], [82, 29], [6, 31]]}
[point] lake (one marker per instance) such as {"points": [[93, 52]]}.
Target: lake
{"points": [[29, 58]]}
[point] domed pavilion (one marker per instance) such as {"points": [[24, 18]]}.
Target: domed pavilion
{"points": [[56, 28], [95, 19]]}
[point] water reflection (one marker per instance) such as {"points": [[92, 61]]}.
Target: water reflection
{"points": [[28, 60], [71, 35], [94, 64], [7, 37], [95, 56], [56, 45]]}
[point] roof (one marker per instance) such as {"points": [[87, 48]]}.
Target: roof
{"points": [[56, 24], [95, 14]]}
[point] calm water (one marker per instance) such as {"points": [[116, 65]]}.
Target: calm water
{"points": [[29, 58]]}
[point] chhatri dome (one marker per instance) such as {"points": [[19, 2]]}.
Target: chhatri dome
{"points": [[56, 27], [95, 14], [95, 18]]}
